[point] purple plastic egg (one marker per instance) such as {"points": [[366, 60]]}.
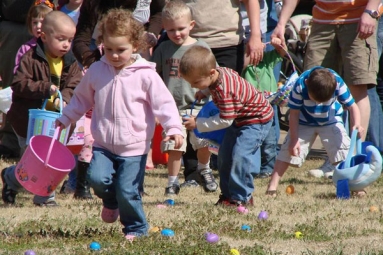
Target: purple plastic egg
{"points": [[29, 252], [212, 238], [263, 215]]}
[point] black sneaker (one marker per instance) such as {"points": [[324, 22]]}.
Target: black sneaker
{"points": [[207, 180], [189, 184], [8, 195], [172, 190]]}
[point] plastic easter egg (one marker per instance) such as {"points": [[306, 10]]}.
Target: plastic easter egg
{"points": [[374, 209], [246, 227], [211, 237], [169, 202], [95, 246], [298, 235], [167, 232], [161, 206], [290, 189], [263, 215], [242, 209], [154, 230], [29, 252], [234, 252]]}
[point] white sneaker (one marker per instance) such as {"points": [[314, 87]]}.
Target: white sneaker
{"points": [[326, 170]]}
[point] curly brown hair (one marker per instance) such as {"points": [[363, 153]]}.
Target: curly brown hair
{"points": [[120, 22]]}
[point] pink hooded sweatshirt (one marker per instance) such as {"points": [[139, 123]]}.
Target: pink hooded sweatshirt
{"points": [[125, 103]]}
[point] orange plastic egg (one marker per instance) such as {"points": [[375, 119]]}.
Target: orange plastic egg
{"points": [[290, 189], [374, 209]]}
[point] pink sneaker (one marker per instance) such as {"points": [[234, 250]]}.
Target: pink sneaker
{"points": [[109, 215], [130, 237]]}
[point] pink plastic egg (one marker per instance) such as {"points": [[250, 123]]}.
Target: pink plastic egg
{"points": [[242, 209]]}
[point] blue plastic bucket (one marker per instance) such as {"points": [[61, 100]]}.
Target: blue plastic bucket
{"points": [[216, 136], [42, 122]]}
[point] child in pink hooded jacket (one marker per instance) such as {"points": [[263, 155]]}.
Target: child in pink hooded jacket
{"points": [[127, 95]]}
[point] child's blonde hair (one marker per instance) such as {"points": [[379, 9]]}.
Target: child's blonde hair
{"points": [[36, 11], [120, 22], [197, 59], [176, 9]]}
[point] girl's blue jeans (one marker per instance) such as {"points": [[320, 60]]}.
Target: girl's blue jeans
{"points": [[118, 181]]}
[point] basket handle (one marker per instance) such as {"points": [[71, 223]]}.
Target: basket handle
{"points": [[61, 102], [55, 136], [354, 141]]}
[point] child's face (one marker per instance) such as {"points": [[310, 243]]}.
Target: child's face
{"points": [[118, 50], [199, 81], [36, 26], [58, 43], [178, 30]]}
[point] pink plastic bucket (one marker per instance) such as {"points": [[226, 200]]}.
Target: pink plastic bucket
{"points": [[44, 165]]}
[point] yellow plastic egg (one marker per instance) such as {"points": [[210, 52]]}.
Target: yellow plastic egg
{"points": [[298, 235], [234, 252]]}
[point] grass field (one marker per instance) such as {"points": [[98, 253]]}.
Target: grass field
{"points": [[328, 225]]}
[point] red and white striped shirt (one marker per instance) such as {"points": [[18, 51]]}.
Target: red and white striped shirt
{"points": [[238, 100]]}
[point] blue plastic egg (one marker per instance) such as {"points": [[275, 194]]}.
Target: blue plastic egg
{"points": [[95, 246], [169, 202], [246, 227], [167, 232]]}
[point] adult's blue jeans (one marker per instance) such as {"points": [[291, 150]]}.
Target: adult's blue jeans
{"points": [[238, 161], [118, 181]]}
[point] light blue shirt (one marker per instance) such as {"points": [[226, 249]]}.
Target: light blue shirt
{"points": [[314, 114]]}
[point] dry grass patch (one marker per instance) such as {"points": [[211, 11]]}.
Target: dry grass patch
{"points": [[328, 225]]}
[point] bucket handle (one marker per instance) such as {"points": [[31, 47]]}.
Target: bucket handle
{"points": [[354, 139], [61, 102], [55, 136]]}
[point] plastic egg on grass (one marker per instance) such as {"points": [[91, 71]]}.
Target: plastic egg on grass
{"points": [[161, 206], [167, 232], [211, 237], [298, 235], [242, 209], [169, 202], [290, 189], [234, 252], [374, 209], [154, 230], [95, 246], [246, 228], [263, 215], [29, 252]]}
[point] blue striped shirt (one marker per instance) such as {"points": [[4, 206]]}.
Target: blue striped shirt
{"points": [[314, 114]]}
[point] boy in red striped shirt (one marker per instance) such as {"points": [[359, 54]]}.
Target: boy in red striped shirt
{"points": [[244, 111]]}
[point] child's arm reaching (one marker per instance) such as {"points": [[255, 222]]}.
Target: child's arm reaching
{"points": [[294, 146], [355, 119]]}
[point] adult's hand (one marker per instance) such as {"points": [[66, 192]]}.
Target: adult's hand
{"points": [[367, 26], [254, 49]]}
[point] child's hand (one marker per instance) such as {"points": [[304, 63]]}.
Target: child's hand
{"points": [[295, 148], [199, 95], [56, 104], [276, 41], [360, 130], [189, 122], [59, 124], [178, 140], [53, 89]]}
